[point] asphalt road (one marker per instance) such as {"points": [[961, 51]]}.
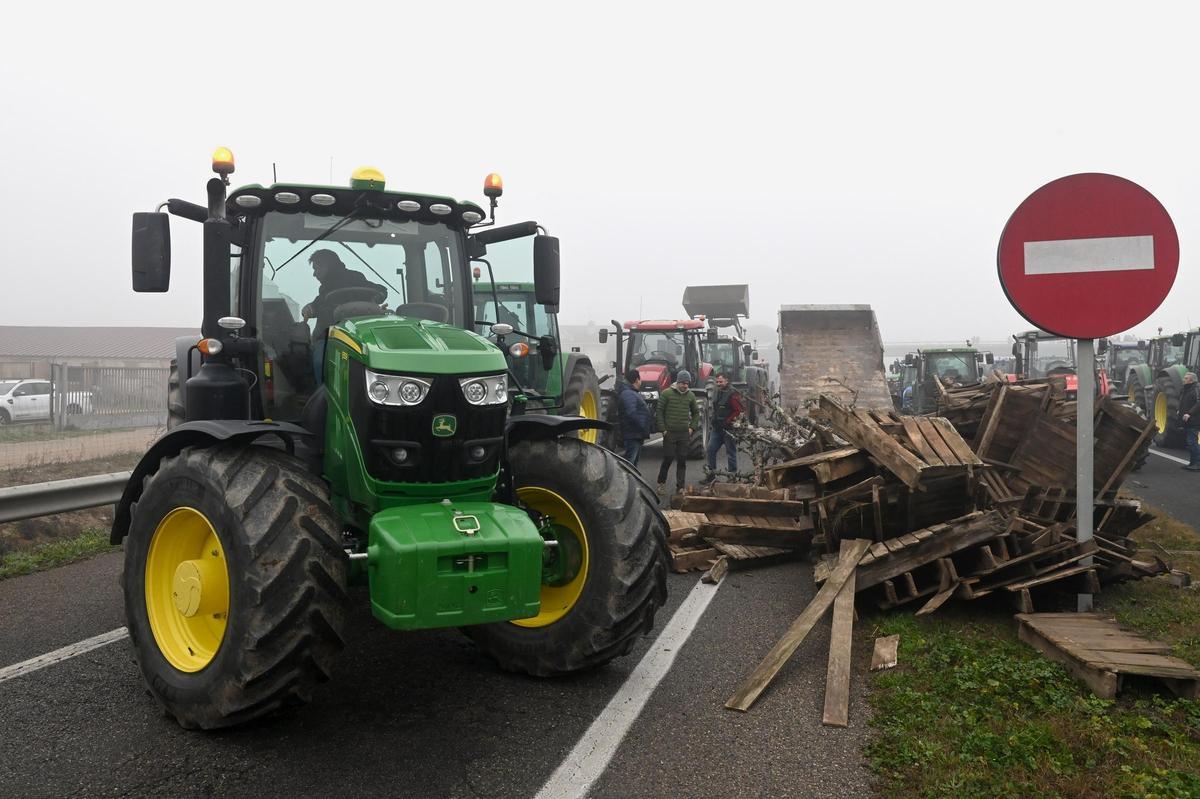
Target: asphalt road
{"points": [[425, 714], [1163, 483]]}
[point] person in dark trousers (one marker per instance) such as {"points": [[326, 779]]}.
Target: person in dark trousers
{"points": [[332, 274], [634, 415], [678, 415], [726, 407], [1189, 415]]}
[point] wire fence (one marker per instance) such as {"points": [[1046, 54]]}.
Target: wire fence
{"points": [[53, 416]]}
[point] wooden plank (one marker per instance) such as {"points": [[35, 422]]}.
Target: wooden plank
{"points": [[877, 512], [737, 505], [937, 600], [742, 552], [987, 429], [837, 673], [750, 689], [962, 451], [716, 571], [746, 535], [1060, 574], [692, 559], [824, 466], [918, 441], [934, 437], [879, 444], [884, 656]]}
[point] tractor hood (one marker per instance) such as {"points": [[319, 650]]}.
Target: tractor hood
{"points": [[655, 375], [416, 346]]}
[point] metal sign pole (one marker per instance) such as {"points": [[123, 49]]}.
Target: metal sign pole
{"points": [[1085, 426]]}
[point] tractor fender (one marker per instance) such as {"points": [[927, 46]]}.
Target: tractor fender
{"points": [[203, 433], [1143, 373], [1175, 372], [573, 359], [540, 426]]}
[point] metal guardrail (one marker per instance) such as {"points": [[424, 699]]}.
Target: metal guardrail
{"points": [[60, 496]]}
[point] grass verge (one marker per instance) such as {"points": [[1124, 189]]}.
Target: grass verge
{"points": [[56, 553], [971, 711]]}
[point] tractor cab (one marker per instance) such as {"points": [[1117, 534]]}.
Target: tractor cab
{"points": [[660, 349], [926, 374], [1038, 354]]}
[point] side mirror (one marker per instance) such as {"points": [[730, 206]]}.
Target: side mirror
{"points": [[604, 335], [1178, 340], [1102, 346], [746, 350], [151, 252], [988, 358], [1016, 349], [909, 360], [712, 334], [546, 270], [754, 355]]}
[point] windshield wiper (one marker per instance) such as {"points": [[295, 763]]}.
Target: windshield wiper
{"points": [[368, 266], [341, 223]]}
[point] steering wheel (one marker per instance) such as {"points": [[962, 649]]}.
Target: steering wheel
{"points": [[371, 294]]}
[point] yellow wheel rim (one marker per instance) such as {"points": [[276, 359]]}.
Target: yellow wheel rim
{"points": [[187, 589], [589, 408], [557, 601], [1160, 412]]}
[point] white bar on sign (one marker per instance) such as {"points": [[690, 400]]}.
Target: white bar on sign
{"points": [[1068, 256]]}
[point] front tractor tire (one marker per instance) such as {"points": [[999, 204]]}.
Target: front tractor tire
{"points": [[234, 584], [614, 581], [581, 397], [1165, 412]]}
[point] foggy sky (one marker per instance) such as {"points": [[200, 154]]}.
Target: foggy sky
{"points": [[824, 153]]}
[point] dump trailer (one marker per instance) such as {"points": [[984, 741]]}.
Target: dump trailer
{"points": [[725, 346], [365, 437], [564, 382], [831, 349]]}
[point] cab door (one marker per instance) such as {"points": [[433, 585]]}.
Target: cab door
{"points": [[21, 402], [39, 406]]}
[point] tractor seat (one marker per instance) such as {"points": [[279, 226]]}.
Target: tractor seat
{"points": [[429, 311]]}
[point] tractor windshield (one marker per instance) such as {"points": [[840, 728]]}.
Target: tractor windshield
{"points": [[1125, 357], [317, 270], [657, 346], [723, 356], [952, 367]]}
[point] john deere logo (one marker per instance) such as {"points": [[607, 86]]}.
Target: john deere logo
{"points": [[445, 425]]}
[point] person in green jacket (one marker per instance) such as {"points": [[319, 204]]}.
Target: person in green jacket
{"points": [[678, 415]]}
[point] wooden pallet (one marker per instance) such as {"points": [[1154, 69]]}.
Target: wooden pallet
{"points": [[1102, 654]]}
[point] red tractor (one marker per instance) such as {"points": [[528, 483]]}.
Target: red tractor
{"points": [[1037, 354], [659, 349]]}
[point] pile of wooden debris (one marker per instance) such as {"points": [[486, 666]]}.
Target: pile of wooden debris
{"points": [[977, 500]]}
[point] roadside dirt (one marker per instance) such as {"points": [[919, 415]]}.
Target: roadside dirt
{"points": [[29, 533]]}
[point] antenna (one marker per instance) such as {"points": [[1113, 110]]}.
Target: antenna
{"points": [[274, 173]]}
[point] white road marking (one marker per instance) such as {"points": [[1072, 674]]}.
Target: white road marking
{"points": [[59, 655], [586, 762], [1071, 256], [1168, 457]]}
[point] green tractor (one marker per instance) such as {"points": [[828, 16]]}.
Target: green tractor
{"points": [[535, 358], [1163, 394], [368, 437], [927, 372], [1161, 353]]}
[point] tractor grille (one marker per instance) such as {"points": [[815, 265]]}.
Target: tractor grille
{"points": [[383, 430]]}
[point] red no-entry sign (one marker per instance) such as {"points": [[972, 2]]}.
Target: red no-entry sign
{"points": [[1088, 256]]}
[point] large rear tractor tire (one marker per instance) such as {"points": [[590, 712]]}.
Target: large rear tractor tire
{"points": [[605, 596], [234, 584], [1165, 412], [175, 412], [581, 397]]}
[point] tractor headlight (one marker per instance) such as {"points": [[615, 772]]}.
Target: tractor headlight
{"points": [[490, 390], [386, 389]]}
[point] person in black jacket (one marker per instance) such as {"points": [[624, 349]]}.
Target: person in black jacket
{"points": [[332, 274], [634, 415], [1189, 415]]}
